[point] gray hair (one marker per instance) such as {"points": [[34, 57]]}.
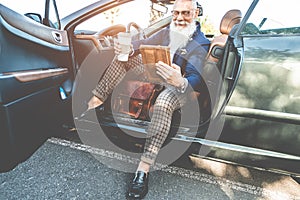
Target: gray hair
{"points": [[194, 3]]}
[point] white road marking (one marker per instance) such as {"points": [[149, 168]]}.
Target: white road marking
{"points": [[225, 185]]}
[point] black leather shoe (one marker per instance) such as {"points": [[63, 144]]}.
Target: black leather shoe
{"points": [[139, 186]]}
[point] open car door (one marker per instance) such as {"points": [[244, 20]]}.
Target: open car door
{"points": [[34, 68]]}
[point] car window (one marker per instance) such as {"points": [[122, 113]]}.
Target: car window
{"points": [[38, 7], [66, 8], [122, 14], [23, 7], [274, 17]]}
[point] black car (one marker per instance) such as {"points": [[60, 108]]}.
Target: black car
{"points": [[248, 113]]}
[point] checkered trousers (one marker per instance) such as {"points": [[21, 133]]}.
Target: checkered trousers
{"points": [[114, 75], [166, 103]]}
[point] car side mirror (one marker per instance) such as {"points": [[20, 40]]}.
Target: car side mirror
{"points": [[160, 8], [200, 9], [35, 16]]}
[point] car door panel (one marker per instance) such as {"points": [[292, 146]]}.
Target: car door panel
{"points": [[33, 66], [25, 127], [12, 21], [15, 85], [264, 106], [261, 126]]}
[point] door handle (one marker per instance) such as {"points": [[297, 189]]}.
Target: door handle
{"points": [[57, 37]]}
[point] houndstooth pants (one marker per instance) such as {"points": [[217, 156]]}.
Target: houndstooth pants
{"points": [[166, 103]]}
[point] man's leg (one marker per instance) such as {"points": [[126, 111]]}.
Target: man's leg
{"points": [[166, 103], [112, 76]]}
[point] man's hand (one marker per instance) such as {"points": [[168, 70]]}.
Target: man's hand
{"points": [[117, 47], [171, 74]]}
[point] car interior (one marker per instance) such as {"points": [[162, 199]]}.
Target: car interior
{"points": [[33, 75], [217, 63], [34, 63]]}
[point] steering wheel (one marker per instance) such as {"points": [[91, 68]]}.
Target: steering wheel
{"points": [[112, 30], [105, 37], [140, 34]]}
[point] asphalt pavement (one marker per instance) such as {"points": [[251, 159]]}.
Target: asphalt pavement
{"points": [[61, 169]]}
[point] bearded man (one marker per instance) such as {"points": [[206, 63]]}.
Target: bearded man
{"points": [[188, 47]]}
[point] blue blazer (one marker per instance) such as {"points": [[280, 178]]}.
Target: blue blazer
{"points": [[191, 58]]}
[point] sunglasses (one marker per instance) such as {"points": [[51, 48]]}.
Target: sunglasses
{"points": [[185, 13]]}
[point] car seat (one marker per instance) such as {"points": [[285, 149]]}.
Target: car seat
{"points": [[231, 18], [211, 75]]}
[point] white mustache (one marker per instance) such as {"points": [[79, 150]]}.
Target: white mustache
{"points": [[181, 23]]}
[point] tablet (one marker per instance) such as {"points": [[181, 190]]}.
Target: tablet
{"points": [[151, 54]]}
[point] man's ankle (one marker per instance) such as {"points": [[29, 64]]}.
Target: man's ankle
{"points": [[144, 167], [94, 102]]}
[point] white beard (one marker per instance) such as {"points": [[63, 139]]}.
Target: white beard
{"points": [[180, 37]]}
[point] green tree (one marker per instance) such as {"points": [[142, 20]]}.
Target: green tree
{"points": [[208, 28]]}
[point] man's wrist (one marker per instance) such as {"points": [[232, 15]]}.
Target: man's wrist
{"points": [[131, 52], [181, 89]]}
